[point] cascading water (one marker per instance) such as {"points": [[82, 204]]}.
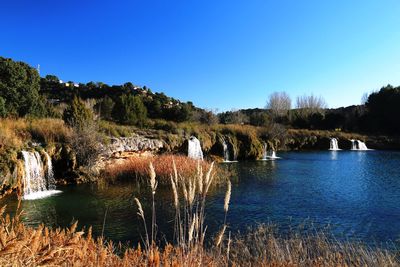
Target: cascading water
{"points": [[353, 144], [194, 149], [361, 145], [226, 151], [269, 154], [358, 145], [272, 155], [334, 144], [51, 182], [265, 153], [37, 184]]}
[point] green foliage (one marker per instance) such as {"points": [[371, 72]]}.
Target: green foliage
{"points": [[384, 110], [179, 112], [52, 78], [3, 111], [19, 87], [130, 110], [105, 107], [77, 114], [259, 119]]}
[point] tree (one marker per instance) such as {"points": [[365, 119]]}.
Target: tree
{"points": [[308, 105], [19, 87], [3, 111], [130, 110], [259, 119], [234, 117], [52, 79], [178, 112], [208, 117], [105, 108], [278, 104], [77, 114], [384, 107]]}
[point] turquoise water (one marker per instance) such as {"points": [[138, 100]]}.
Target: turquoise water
{"points": [[355, 194]]}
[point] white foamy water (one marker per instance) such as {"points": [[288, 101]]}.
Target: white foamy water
{"points": [[41, 194], [334, 144], [37, 184], [194, 149], [358, 145]]}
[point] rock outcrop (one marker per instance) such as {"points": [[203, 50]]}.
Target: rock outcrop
{"points": [[136, 144]]}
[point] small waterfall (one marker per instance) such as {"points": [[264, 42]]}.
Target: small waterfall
{"points": [[272, 155], [358, 145], [51, 182], [265, 153], [334, 144], [226, 151], [34, 179], [269, 154], [361, 145], [353, 144], [194, 149]]}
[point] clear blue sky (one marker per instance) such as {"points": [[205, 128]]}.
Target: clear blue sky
{"points": [[218, 54]]}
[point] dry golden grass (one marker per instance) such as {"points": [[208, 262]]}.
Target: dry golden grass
{"points": [[15, 132], [163, 165], [49, 130], [12, 132], [41, 246]]}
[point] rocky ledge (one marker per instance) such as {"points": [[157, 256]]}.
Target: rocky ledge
{"points": [[136, 143]]}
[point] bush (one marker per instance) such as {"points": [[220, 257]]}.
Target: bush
{"points": [[130, 110], [77, 114], [85, 142]]}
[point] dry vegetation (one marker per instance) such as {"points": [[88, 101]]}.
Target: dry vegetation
{"points": [[26, 246], [326, 134], [138, 167], [15, 132]]}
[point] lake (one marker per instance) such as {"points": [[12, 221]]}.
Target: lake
{"points": [[356, 194]]}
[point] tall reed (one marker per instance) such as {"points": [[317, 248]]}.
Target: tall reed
{"points": [[189, 194]]}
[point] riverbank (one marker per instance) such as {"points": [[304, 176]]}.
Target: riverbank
{"points": [[82, 157]]}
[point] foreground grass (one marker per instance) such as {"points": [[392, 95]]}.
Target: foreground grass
{"points": [[27, 246]]}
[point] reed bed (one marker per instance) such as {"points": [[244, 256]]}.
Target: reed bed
{"points": [[138, 167]]}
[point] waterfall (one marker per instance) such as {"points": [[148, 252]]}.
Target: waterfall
{"points": [[272, 155], [226, 151], [358, 145], [37, 183], [194, 149], [265, 154], [353, 144], [361, 145], [269, 154], [51, 182], [334, 144]]}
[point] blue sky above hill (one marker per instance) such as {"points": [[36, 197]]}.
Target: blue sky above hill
{"points": [[218, 54]]}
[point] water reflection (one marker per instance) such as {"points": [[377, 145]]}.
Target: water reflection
{"points": [[356, 193]]}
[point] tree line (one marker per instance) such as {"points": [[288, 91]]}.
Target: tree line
{"points": [[24, 93]]}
